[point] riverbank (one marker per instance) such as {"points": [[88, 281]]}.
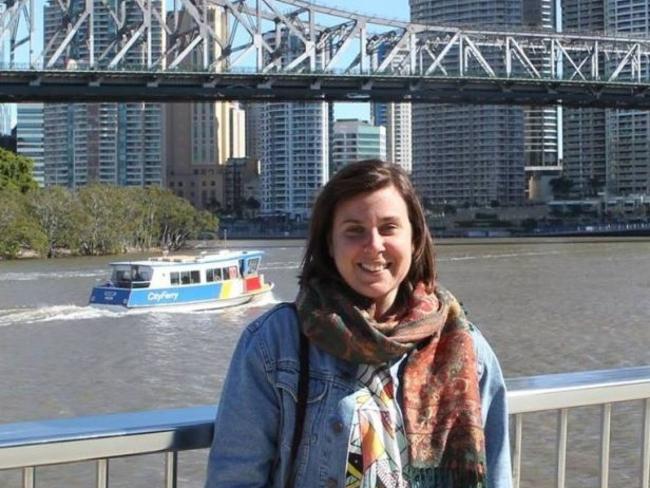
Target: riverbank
{"points": [[442, 241]]}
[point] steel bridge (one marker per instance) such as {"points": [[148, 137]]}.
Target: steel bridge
{"points": [[274, 50]]}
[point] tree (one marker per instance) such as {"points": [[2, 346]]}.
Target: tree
{"points": [[252, 203], [106, 221], [59, 214], [561, 187], [16, 172], [529, 224], [179, 221], [18, 230], [596, 184]]}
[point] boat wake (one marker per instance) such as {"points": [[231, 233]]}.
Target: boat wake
{"points": [[40, 275], [280, 265], [497, 256], [52, 313]]}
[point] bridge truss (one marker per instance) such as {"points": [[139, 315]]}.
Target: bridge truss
{"points": [[291, 49]]}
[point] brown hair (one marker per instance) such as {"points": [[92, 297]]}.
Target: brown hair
{"points": [[354, 179]]}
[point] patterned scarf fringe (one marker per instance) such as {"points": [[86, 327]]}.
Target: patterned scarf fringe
{"points": [[444, 478]]}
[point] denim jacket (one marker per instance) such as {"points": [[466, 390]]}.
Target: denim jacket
{"points": [[255, 420]]}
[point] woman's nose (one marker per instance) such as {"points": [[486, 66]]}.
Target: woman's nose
{"points": [[375, 242]]}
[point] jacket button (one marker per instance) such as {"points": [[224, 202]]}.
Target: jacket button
{"points": [[332, 483], [337, 426]]}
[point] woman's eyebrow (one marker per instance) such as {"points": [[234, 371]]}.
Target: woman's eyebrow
{"points": [[353, 220]]}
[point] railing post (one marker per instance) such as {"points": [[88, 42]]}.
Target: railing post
{"points": [[645, 450], [29, 477], [171, 469], [102, 473], [563, 421], [516, 458], [605, 436]]}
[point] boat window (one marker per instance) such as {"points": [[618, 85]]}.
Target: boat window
{"points": [[195, 276], [233, 272], [185, 277], [253, 265], [141, 276], [213, 274], [174, 278], [121, 276]]}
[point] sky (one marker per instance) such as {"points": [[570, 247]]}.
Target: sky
{"points": [[393, 9]]}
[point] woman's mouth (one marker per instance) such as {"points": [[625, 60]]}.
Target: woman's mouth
{"points": [[374, 267]]}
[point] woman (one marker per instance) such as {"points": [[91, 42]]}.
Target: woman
{"points": [[402, 390]]}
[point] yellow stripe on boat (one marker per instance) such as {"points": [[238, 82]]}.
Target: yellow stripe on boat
{"points": [[226, 289]]}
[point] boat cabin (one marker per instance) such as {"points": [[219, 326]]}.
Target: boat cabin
{"points": [[184, 270]]}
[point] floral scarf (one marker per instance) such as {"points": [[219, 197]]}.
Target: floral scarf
{"points": [[441, 400]]}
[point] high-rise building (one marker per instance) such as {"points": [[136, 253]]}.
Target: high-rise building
{"points": [[469, 154], [117, 143], [607, 150], [5, 119], [354, 140], [241, 186], [628, 131], [201, 136], [585, 151], [542, 134], [254, 142], [295, 157], [294, 144], [396, 117], [29, 135]]}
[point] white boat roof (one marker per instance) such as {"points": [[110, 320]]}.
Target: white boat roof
{"points": [[203, 258]]}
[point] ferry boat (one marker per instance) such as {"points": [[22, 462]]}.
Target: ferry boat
{"points": [[202, 282]]}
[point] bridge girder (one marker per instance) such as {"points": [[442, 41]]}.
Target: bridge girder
{"points": [[287, 37]]}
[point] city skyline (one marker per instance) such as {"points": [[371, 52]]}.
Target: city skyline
{"points": [[491, 150]]}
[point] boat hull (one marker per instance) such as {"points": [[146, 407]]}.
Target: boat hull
{"points": [[206, 297]]}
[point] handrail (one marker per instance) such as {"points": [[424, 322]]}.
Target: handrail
{"points": [[27, 445], [580, 389], [58, 441]]}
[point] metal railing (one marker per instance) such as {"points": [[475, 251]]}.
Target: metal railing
{"points": [[28, 445]]}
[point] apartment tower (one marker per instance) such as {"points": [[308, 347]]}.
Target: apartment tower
{"points": [[354, 140], [468, 154], [608, 150], [29, 137], [628, 131], [294, 148], [585, 141], [116, 143], [200, 137]]}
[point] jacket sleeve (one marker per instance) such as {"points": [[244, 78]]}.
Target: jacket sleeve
{"points": [[495, 417], [245, 438]]}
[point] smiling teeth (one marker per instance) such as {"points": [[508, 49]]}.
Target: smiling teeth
{"points": [[373, 268]]}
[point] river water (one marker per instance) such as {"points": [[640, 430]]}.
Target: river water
{"points": [[545, 306]]}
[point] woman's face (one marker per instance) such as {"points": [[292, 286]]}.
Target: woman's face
{"points": [[371, 244]]}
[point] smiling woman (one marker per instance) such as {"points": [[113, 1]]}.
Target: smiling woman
{"points": [[373, 377]]}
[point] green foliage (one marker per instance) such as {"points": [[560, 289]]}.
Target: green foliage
{"points": [[561, 187], [16, 172], [18, 229], [98, 219], [179, 221], [529, 224], [485, 216], [60, 216]]}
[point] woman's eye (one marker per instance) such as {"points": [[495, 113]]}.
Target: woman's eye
{"points": [[389, 228], [354, 231]]}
